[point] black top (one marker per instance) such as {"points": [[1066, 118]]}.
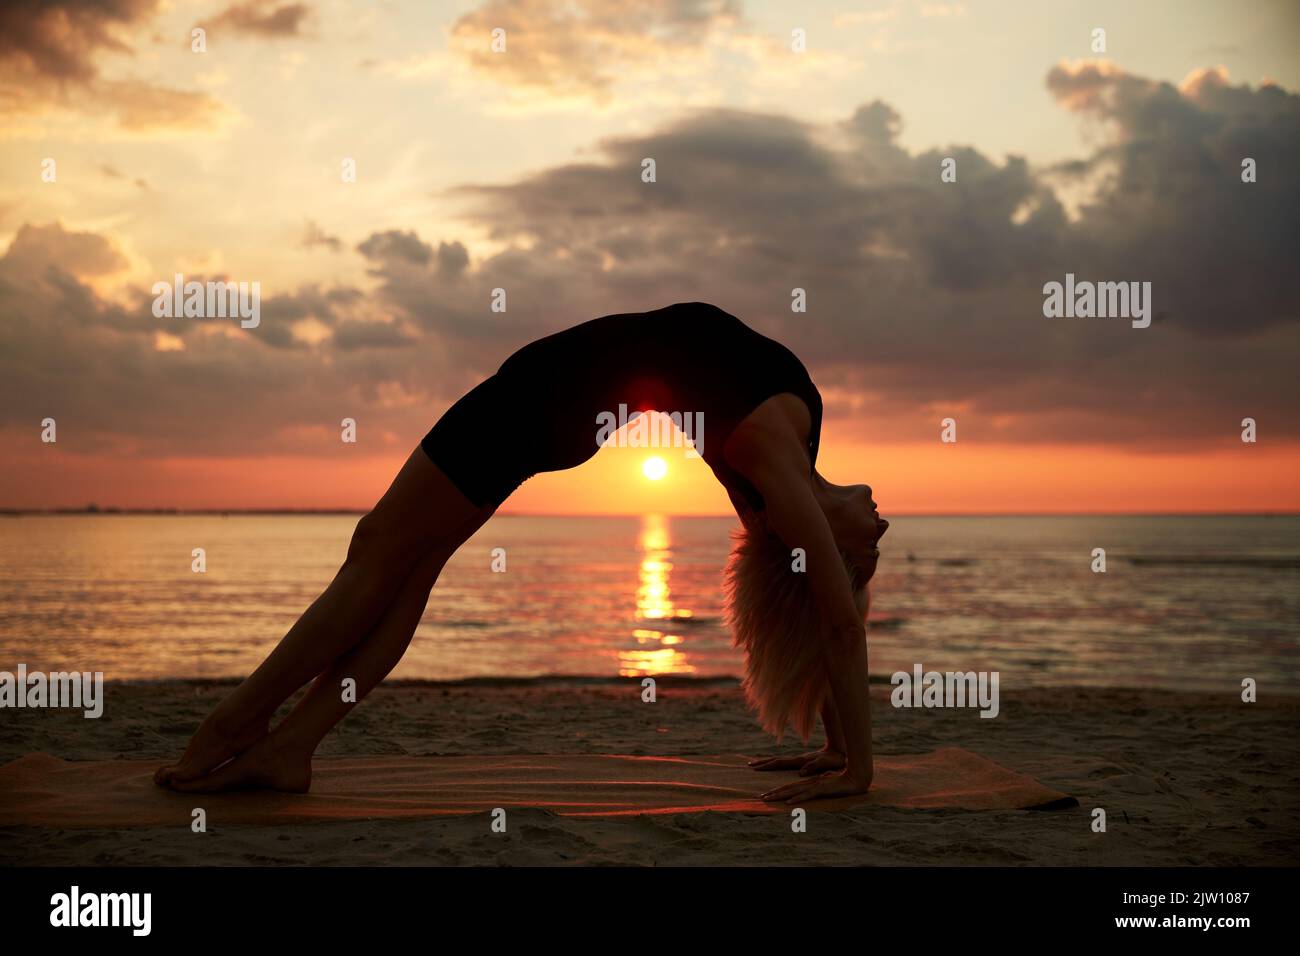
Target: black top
{"points": [[691, 357], [547, 405], [757, 368]]}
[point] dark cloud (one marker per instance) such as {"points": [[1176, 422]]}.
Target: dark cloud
{"points": [[258, 19], [314, 235], [58, 39], [48, 53], [67, 352], [925, 298], [40, 250], [1175, 210], [396, 245], [371, 334], [453, 258]]}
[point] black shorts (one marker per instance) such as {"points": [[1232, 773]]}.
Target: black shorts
{"points": [[507, 429]]}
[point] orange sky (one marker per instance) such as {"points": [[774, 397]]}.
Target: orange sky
{"points": [[907, 479]]}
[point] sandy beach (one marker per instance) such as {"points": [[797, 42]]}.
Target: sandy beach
{"points": [[1185, 779]]}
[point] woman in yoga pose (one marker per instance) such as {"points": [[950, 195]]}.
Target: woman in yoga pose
{"points": [[798, 615]]}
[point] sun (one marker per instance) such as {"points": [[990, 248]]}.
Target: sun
{"points": [[654, 467]]}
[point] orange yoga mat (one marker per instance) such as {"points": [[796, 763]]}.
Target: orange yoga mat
{"points": [[40, 790]]}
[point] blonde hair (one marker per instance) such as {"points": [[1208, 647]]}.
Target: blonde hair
{"points": [[774, 619]]}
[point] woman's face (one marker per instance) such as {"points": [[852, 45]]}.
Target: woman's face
{"points": [[856, 523]]}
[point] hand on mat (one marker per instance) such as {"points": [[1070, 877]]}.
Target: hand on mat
{"points": [[818, 761], [818, 788]]}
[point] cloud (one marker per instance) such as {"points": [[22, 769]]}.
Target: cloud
{"points": [[122, 382], [581, 46], [38, 250], [453, 258], [112, 172], [144, 107], [57, 40], [48, 61], [396, 246], [314, 235], [371, 334], [256, 19], [925, 298], [1174, 206]]}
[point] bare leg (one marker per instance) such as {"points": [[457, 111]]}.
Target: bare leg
{"points": [[421, 513], [282, 760]]}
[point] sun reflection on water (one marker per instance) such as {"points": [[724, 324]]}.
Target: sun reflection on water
{"points": [[658, 649]]}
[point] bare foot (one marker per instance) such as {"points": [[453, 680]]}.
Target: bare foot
{"points": [[267, 765], [215, 742]]}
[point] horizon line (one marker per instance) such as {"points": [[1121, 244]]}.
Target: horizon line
{"points": [[118, 511]]}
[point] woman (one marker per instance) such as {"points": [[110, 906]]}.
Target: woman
{"points": [[803, 630]]}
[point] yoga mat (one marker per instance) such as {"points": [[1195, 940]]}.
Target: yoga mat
{"points": [[40, 790]]}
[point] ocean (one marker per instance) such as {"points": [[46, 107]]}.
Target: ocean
{"points": [[1194, 602]]}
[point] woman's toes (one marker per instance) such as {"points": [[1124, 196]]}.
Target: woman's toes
{"points": [[261, 767], [226, 777]]}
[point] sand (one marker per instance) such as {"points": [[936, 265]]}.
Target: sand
{"points": [[1185, 779]]}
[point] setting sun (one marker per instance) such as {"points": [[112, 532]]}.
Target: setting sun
{"points": [[654, 468]]}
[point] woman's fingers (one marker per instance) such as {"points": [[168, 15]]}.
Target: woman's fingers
{"points": [[821, 763], [804, 790], [790, 790], [781, 763], [826, 786]]}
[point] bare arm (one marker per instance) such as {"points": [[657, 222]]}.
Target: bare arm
{"points": [[831, 724], [830, 757], [794, 515]]}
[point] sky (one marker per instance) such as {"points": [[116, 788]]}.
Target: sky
{"points": [[130, 153]]}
